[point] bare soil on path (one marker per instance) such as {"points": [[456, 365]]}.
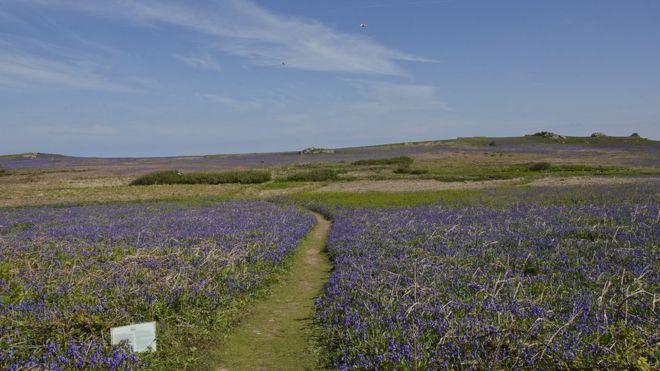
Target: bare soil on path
{"points": [[276, 334]]}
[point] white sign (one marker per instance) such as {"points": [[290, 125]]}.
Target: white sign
{"points": [[140, 336]]}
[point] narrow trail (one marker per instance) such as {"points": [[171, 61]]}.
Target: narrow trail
{"points": [[275, 334]]}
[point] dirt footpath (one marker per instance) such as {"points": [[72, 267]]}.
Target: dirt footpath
{"points": [[276, 334]]}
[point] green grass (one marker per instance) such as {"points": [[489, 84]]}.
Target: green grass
{"points": [[279, 183], [577, 169], [383, 199], [175, 177], [482, 172], [496, 197]]}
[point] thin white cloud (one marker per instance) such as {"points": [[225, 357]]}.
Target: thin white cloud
{"points": [[67, 130], [246, 29], [388, 96], [233, 103], [20, 70], [199, 61]]}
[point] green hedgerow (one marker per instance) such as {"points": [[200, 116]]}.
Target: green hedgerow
{"points": [[176, 177], [316, 175]]}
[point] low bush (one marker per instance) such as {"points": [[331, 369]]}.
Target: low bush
{"points": [[176, 177], [401, 160], [316, 175], [159, 177], [539, 166], [408, 170], [584, 168]]}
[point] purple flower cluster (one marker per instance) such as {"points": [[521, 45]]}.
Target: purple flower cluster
{"points": [[525, 286], [69, 274]]}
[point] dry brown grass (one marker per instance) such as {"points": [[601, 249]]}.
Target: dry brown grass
{"points": [[33, 195]]}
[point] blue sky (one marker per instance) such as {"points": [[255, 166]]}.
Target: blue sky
{"points": [[150, 78]]}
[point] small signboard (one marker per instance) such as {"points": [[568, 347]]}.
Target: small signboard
{"points": [[140, 336]]}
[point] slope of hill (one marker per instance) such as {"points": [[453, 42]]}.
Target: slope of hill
{"points": [[642, 152]]}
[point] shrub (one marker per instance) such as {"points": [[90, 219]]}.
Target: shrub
{"points": [[316, 175], [176, 177], [635, 135], [539, 166], [408, 170], [242, 177], [401, 160], [598, 135], [159, 177]]}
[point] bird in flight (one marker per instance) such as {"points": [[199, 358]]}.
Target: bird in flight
{"points": [[363, 25]]}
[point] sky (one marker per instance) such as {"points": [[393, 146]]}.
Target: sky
{"points": [[154, 78]]}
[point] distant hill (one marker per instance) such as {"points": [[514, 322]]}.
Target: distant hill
{"points": [[533, 143]]}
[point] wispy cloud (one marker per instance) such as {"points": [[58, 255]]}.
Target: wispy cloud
{"points": [[246, 29], [19, 69], [388, 96], [203, 61], [29, 62], [68, 130], [233, 103]]}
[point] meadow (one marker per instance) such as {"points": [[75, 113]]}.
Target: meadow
{"points": [[568, 281], [67, 275], [474, 253]]}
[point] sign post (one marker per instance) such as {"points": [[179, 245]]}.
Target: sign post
{"points": [[140, 336]]}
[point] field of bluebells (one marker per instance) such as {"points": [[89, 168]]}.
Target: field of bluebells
{"points": [[526, 284], [67, 275]]}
